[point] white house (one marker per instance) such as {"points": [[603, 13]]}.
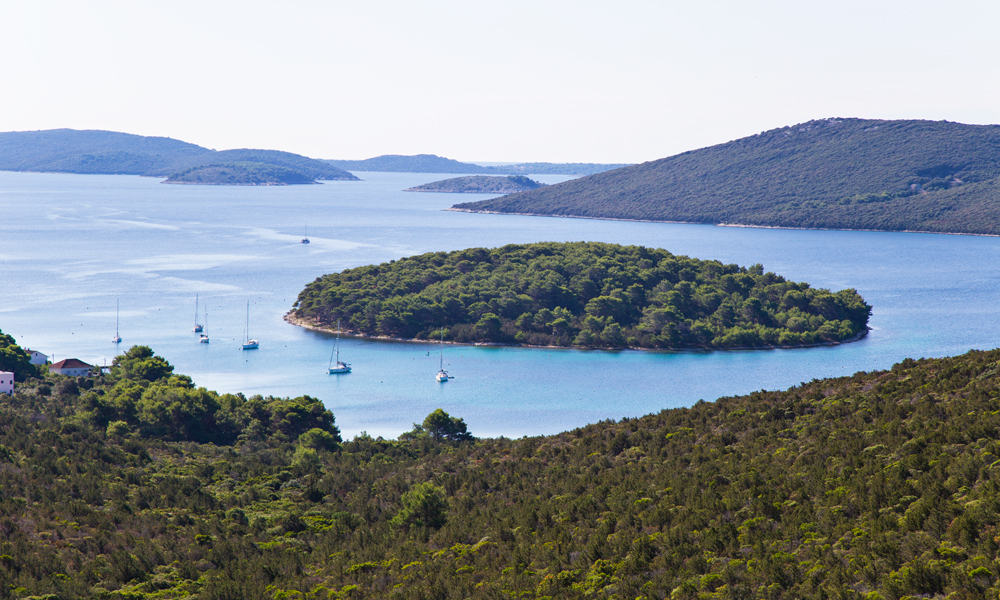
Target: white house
{"points": [[35, 357], [6, 383], [71, 366]]}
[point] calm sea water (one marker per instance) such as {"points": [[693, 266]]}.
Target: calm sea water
{"points": [[73, 245]]}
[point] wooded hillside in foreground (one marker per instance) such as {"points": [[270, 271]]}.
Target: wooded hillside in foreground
{"points": [[878, 485], [834, 173], [581, 294]]}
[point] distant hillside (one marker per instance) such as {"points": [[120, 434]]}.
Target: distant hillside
{"points": [[430, 163], [834, 173], [240, 173], [113, 153], [480, 184]]}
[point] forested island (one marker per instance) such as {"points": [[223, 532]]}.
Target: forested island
{"points": [[933, 176], [136, 484], [240, 173], [480, 184], [114, 153], [431, 163], [580, 294]]}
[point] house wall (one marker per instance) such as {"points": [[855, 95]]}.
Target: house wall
{"points": [[6, 382]]}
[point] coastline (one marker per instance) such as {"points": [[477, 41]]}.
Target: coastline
{"points": [[293, 320], [745, 226]]}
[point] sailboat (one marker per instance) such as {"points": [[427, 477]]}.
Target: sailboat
{"points": [[339, 367], [117, 339], [203, 338], [197, 327], [442, 375], [305, 238], [249, 344]]}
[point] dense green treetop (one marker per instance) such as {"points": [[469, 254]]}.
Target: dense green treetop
{"points": [[110, 152], [879, 485], [581, 294], [834, 173], [13, 358], [480, 184], [240, 173]]}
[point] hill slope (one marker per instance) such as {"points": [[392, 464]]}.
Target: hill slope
{"points": [[109, 152], [878, 485], [239, 173], [480, 184], [581, 294], [430, 163], [835, 173]]}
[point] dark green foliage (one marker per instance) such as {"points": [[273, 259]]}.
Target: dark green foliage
{"points": [[14, 359], [438, 426], [240, 173], [582, 294], [430, 163], [877, 485], [835, 173], [71, 151], [142, 395], [480, 184], [424, 505]]}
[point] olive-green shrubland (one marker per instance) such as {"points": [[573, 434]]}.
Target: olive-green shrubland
{"points": [[877, 485]]}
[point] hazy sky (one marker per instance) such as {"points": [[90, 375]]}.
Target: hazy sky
{"points": [[492, 81]]}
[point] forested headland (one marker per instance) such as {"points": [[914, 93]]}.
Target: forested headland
{"points": [[136, 484], [240, 173], [480, 184], [431, 163], [114, 153], [909, 175], [580, 294]]}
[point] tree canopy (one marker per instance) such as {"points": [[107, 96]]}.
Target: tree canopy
{"points": [[13, 358], [582, 294], [879, 485]]}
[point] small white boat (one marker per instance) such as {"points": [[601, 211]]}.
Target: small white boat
{"points": [[442, 375], [305, 238], [249, 344], [197, 327], [203, 338], [117, 339], [337, 366]]}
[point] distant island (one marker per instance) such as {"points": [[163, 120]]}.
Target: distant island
{"points": [[430, 163], [113, 153], [932, 176], [480, 184], [240, 173], [580, 294]]}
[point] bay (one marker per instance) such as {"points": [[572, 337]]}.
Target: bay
{"points": [[73, 245]]}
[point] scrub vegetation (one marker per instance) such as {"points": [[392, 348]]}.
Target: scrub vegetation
{"points": [[834, 173], [877, 485], [240, 173], [581, 294]]}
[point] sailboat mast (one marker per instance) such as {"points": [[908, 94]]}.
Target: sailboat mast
{"points": [[442, 349], [196, 309]]}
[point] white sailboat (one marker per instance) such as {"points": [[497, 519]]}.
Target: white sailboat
{"points": [[338, 367], [249, 344], [442, 375], [197, 327], [305, 238], [203, 338], [117, 339]]}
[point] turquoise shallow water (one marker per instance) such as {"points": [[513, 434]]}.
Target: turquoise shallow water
{"points": [[73, 244]]}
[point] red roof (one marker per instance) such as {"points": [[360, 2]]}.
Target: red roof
{"points": [[70, 363]]}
